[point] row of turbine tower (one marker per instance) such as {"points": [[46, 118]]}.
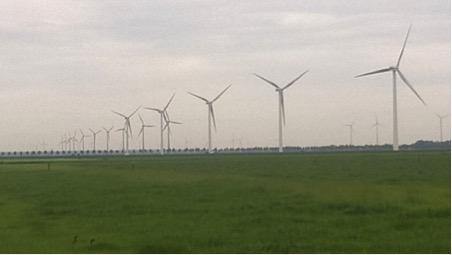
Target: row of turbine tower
{"points": [[166, 122]]}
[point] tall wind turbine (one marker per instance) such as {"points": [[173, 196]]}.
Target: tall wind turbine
{"points": [[396, 70], [210, 114], [376, 125], [143, 126], [94, 138], [282, 114], [108, 137], [127, 127], [351, 131], [163, 116], [441, 126]]}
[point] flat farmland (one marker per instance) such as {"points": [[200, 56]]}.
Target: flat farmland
{"points": [[262, 203]]}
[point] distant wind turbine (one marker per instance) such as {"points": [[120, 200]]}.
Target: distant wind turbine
{"points": [[282, 114], [163, 116], [82, 140], [351, 131], [396, 70], [127, 128], [376, 125], [123, 143], [168, 126], [210, 114], [441, 126], [108, 137], [94, 138], [143, 126]]}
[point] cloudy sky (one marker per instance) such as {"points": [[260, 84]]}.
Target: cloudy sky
{"points": [[66, 65]]}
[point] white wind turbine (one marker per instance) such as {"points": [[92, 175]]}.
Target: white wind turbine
{"points": [[143, 126], [282, 114], [210, 114], [122, 130], [108, 137], [396, 70], [127, 128], [376, 125], [351, 131], [163, 116], [168, 122], [94, 138], [82, 140], [441, 126]]}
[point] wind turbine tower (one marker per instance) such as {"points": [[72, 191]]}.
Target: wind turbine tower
{"points": [[167, 126], [94, 138], [441, 126], [396, 70], [376, 125], [351, 131], [210, 114], [122, 130], [127, 128], [163, 116], [82, 140], [143, 126], [281, 116], [108, 137]]}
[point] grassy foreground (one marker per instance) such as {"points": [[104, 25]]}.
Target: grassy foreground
{"points": [[290, 203]]}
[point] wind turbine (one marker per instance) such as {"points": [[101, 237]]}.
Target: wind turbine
{"points": [[94, 138], [122, 129], [82, 140], [127, 127], [143, 126], [163, 116], [441, 126], [108, 136], [282, 114], [351, 131], [396, 70], [210, 114], [168, 122], [376, 125]]}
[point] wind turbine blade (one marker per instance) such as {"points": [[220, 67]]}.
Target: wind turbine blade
{"points": [[110, 128], [152, 109], [129, 128], [120, 114], [221, 93], [171, 99], [134, 111], [200, 97], [92, 130], [166, 125], [141, 130], [268, 81], [374, 72], [213, 116], [296, 79], [282, 107], [403, 48], [176, 122], [409, 85], [142, 122]]}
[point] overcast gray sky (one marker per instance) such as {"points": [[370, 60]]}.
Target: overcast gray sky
{"points": [[66, 64]]}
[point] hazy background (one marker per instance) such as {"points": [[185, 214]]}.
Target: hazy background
{"points": [[66, 64]]}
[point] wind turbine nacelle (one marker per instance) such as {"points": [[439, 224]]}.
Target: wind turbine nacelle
{"points": [[393, 68]]}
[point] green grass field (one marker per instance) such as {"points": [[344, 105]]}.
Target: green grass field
{"points": [[264, 203]]}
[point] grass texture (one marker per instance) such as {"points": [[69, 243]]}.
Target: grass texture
{"points": [[290, 203]]}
